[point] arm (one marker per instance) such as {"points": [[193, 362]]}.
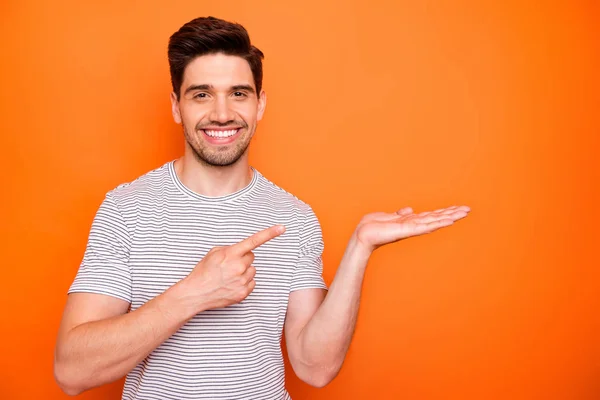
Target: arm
{"points": [[98, 342], [319, 328]]}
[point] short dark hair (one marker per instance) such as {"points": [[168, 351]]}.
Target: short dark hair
{"points": [[210, 35]]}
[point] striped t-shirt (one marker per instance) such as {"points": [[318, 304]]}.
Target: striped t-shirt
{"points": [[150, 233]]}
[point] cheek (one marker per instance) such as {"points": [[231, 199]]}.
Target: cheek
{"points": [[191, 118], [248, 114]]}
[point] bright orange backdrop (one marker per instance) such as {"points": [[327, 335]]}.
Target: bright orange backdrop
{"points": [[372, 106]]}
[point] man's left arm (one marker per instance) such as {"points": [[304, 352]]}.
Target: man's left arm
{"points": [[319, 326]]}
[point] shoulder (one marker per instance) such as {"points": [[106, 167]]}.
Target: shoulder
{"points": [[146, 186], [283, 200]]}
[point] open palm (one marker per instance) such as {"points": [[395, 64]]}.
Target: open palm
{"points": [[378, 229]]}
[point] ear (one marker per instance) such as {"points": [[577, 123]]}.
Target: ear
{"points": [[175, 108], [262, 104]]}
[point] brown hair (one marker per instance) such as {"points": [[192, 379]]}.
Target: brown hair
{"points": [[210, 35]]}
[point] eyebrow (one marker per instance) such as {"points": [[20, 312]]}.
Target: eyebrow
{"points": [[243, 87], [198, 87], [208, 87]]}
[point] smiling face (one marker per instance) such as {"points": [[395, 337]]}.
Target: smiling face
{"points": [[218, 108]]}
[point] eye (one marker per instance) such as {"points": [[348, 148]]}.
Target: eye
{"points": [[239, 94], [200, 95]]}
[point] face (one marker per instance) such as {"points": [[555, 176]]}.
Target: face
{"points": [[218, 108]]}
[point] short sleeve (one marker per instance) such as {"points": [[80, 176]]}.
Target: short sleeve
{"points": [[105, 265], [309, 268]]}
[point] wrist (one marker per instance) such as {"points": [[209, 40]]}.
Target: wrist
{"points": [[182, 300], [358, 251]]}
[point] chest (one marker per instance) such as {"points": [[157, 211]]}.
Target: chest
{"points": [[168, 245]]}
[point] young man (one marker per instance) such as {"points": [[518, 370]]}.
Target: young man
{"points": [[193, 271]]}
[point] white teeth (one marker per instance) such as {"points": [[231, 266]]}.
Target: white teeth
{"points": [[221, 134]]}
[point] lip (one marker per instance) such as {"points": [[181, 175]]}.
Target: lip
{"points": [[221, 141]]}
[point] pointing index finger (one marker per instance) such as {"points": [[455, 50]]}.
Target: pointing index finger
{"points": [[258, 239]]}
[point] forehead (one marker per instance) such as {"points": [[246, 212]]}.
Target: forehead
{"points": [[218, 70]]}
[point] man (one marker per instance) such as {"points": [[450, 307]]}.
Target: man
{"points": [[193, 270]]}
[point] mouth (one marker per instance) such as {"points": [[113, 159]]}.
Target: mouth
{"points": [[221, 136]]}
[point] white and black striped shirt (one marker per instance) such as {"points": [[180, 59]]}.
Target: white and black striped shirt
{"points": [[150, 233]]}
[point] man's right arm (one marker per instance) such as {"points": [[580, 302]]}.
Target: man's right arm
{"points": [[99, 342]]}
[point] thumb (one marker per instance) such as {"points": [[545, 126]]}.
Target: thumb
{"points": [[404, 211]]}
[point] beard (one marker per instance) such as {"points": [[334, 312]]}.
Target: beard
{"points": [[218, 156]]}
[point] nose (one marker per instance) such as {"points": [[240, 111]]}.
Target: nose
{"points": [[221, 111]]}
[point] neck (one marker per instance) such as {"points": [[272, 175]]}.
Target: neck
{"points": [[213, 181]]}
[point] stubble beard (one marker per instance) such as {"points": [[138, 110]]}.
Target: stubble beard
{"points": [[217, 156]]}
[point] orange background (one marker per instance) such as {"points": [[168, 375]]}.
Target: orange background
{"points": [[372, 106]]}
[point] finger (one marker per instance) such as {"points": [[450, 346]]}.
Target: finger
{"points": [[435, 225], [455, 212], [248, 258], [215, 249], [456, 215], [256, 240], [249, 274], [454, 209], [251, 285], [447, 210], [428, 227], [431, 217], [427, 218], [441, 210]]}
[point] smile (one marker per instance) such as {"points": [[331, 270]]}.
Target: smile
{"points": [[221, 133]]}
